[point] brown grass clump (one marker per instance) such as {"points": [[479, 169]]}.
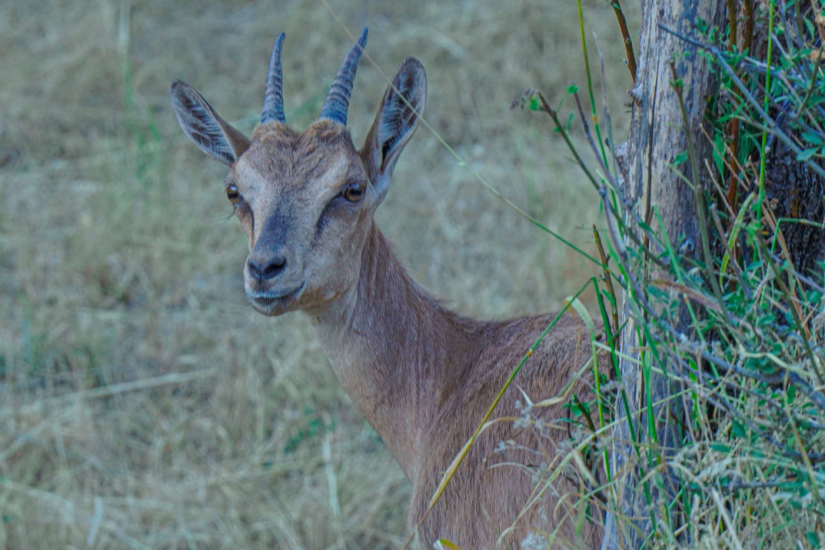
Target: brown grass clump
{"points": [[142, 404]]}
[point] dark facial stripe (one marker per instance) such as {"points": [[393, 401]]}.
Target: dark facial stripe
{"points": [[276, 227]]}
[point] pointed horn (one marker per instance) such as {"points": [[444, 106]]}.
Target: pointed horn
{"points": [[274, 96], [337, 102]]}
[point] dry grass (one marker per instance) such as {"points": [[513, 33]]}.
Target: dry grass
{"points": [[118, 262]]}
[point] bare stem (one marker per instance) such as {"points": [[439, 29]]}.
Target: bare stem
{"points": [[628, 43]]}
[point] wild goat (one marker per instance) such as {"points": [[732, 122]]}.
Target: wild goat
{"points": [[423, 376]]}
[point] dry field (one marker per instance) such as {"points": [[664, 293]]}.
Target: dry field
{"points": [[142, 403]]}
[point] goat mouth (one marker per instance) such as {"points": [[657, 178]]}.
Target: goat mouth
{"points": [[270, 302]]}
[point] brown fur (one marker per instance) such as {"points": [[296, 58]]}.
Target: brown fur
{"points": [[422, 376]]}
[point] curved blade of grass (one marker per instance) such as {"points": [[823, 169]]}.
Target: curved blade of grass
{"points": [[590, 83], [576, 304], [448, 475], [734, 232]]}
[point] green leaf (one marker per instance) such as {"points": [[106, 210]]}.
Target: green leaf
{"points": [[719, 447], [813, 538], [579, 308], [572, 89], [535, 103], [810, 26], [806, 154], [680, 158], [718, 155], [734, 234], [569, 123], [739, 430], [444, 544], [812, 138]]}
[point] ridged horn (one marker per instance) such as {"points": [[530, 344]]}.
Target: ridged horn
{"points": [[274, 95], [337, 102]]}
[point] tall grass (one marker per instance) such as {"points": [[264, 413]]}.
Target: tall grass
{"points": [[747, 374]]}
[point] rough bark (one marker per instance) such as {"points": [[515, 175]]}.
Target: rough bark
{"points": [[795, 192], [656, 137], [795, 197]]}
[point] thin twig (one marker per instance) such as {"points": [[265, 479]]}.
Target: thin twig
{"points": [[628, 43], [607, 279]]}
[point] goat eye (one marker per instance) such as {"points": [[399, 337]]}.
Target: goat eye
{"points": [[233, 194], [353, 192]]}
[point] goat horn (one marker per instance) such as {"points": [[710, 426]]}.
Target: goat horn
{"points": [[274, 96], [337, 102]]}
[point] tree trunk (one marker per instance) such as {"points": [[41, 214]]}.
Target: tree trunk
{"points": [[795, 193], [656, 136]]}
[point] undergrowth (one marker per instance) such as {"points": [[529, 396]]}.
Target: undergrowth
{"points": [[736, 328]]}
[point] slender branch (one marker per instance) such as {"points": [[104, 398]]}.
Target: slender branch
{"points": [[732, 40], [749, 24], [628, 43], [607, 278]]}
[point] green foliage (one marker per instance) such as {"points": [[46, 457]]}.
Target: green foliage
{"points": [[736, 330]]}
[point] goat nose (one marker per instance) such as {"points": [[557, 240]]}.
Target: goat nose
{"points": [[268, 269]]}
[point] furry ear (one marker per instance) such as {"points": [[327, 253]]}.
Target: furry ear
{"points": [[395, 123], [199, 121]]}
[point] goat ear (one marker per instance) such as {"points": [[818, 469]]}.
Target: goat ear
{"points": [[395, 123], [199, 121]]}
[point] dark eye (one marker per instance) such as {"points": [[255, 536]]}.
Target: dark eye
{"points": [[353, 192], [233, 194]]}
